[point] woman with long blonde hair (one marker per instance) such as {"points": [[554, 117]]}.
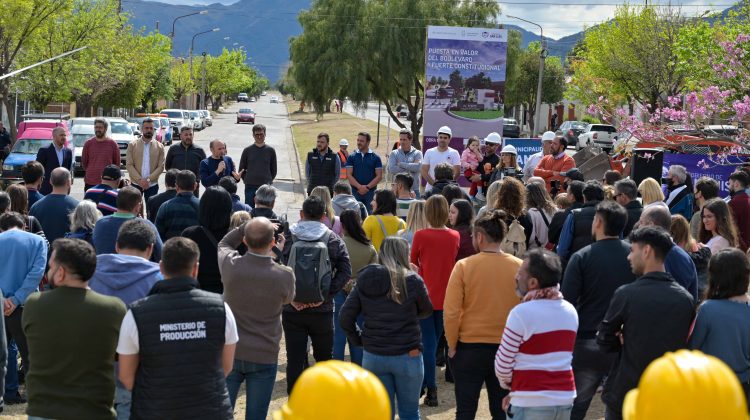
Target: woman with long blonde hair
{"points": [[392, 299], [415, 221], [330, 219]]}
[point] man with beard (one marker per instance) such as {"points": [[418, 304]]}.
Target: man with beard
{"points": [[98, 152], [186, 156], [490, 161], [533, 161], [54, 156], [552, 166], [323, 167], [145, 161], [679, 194], [443, 153], [645, 319]]}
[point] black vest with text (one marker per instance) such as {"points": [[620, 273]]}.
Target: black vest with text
{"points": [[322, 172], [583, 218], [181, 340]]}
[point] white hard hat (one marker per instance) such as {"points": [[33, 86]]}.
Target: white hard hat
{"points": [[548, 136], [493, 138], [509, 149], [343, 142], [445, 130]]}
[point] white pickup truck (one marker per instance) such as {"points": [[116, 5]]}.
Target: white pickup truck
{"points": [[601, 135]]}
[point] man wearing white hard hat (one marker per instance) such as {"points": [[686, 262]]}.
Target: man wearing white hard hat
{"points": [[533, 160], [488, 164], [343, 145], [441, 154]]}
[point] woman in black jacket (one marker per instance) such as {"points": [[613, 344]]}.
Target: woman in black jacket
{"points": [[392, 299], [214, 215]]}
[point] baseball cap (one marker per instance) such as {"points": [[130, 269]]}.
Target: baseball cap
{"points": [[573, 173], [111, 173], [343, 142]]}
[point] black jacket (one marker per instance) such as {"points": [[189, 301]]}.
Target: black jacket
{"points": [[558, 220], [437, 188], [152, 207], [390, 328], [47, 156], [183, 158], [209, 276], [654, 315], [591, 278], [634, 209]]}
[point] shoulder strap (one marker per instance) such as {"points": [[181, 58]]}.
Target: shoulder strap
{"points": [[210, 236], [382, 226], [544, 217]]}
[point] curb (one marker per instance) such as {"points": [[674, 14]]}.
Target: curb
{"points": [[302, 180]]}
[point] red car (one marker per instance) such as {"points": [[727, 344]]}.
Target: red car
{"points": [[246, 115]]}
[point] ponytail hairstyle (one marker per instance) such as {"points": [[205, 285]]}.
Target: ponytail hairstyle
{"points": [[492, 225], [394, 256]]}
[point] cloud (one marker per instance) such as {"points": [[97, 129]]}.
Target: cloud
{"points": [[567, 17]]}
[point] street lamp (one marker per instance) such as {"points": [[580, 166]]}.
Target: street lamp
{"points": [[192, 43], [542, 56], [171, 34]]}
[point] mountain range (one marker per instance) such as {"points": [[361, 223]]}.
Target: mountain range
{"points": [[263, 27]]}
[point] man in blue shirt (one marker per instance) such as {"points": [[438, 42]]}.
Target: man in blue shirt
{"points": [[365, 170], [677, 262], [129, 206], [53, 210], [217, 166], [105, 194], [23, 259], [229, 184]]}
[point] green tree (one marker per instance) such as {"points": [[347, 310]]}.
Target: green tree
{"points": [[635, 53], [456, 81], [179, 77], [522, 87], [364, 49]]}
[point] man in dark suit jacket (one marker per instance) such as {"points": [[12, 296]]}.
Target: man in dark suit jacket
{"points": [[54, 156], [153, 204]]}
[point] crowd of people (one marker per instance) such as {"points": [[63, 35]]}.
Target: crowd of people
{"points": [[533, 283]]}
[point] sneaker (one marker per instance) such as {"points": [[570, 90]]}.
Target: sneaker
{"points": [[479, 196], [431, 400], [15, 399]]}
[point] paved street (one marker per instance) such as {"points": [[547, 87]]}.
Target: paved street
{"points": [[237, 137]]}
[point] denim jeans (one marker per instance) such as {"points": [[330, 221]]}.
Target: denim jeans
{"points": [[590, 366], [402, 377], [123, 399], [555, 412], [250, 194], [432, 329], [259, 379], [339, 337], [473, 367], [14, 331], [298, 328], [365, 199], [11, 373]]}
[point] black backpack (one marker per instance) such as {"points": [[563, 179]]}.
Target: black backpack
{"points": [[312, 269]]}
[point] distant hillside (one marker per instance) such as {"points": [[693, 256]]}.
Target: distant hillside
{"points": [[558, 47]]}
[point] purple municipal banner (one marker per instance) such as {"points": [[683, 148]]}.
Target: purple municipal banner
{"points": [[700, 166], [464, 82]]}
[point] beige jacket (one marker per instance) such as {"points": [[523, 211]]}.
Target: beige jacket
{"points": [[134, 160]]}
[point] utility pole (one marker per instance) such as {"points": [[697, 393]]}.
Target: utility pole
{"points": [[542, 56], [203, 83]]}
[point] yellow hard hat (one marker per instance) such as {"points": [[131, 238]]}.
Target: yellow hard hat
{"points": [[336, 390], [686, 385]]}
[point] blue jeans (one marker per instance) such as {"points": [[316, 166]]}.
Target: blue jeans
{"points": [[402, 377], [556, 412], [123, 399], [365, 199], [11, 374], [250, 194], [432, 329], [339, 337], [259, 379]]}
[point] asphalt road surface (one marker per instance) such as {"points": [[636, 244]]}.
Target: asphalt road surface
{"points": [[239, 136]]}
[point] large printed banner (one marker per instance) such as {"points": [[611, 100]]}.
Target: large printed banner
{"points": [[699, 166], [465, 82], [525, 148]]}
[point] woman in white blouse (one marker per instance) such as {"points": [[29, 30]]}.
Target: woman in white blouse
{"points": [[718, 230]]}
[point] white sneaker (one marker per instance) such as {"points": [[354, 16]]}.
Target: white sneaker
{"points": [[479, 196]]}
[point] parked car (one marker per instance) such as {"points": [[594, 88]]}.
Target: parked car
{"points": [[177, 119], [24, 150], [123, 134], [252, 99], [511, 128], [274, 99], [571, 130], [246, 115], [242, 97], [264, 93], [197, 119], [207, 117], [168, 131], [602, 135], [42, 123]]}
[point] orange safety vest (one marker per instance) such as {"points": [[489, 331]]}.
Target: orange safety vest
{"points": [[342, 158]]}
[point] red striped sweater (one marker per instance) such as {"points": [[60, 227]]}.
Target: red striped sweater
{"points": [[535, 354]]}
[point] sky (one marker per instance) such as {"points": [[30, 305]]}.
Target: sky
{"points": [[558, 18]]}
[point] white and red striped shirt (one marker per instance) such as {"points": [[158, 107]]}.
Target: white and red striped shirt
{"points": [[536, 353]]}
